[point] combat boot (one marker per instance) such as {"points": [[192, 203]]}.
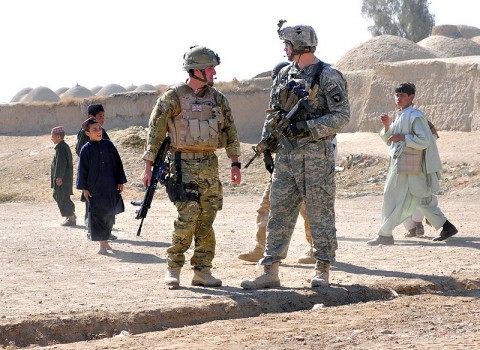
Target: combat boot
{"points": [[322, 273], [254, 255], [172, 277], [307, 258], [268, 279], [204, 278]]}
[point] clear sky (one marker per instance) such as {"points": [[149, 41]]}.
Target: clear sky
{"points": [[57, 43]]}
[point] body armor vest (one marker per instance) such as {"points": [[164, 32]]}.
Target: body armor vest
{"points": [[285, 97], [199, 125]]}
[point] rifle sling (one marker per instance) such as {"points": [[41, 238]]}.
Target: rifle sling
{"points": [[178, 167]]}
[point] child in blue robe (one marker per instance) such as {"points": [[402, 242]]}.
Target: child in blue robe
{"points": [[101, 178]]}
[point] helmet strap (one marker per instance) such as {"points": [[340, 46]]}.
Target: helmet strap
{"points": [[299, 54], [302, 50], [204, 79]]}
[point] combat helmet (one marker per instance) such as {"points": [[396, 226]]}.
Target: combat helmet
{"points": [[302, 37], [199, 57]]}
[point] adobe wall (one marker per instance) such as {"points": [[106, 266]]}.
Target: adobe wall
{"points": [[448, 91], [121, 112]]}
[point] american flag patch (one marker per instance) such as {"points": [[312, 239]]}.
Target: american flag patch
{"points": [[196, 108]]}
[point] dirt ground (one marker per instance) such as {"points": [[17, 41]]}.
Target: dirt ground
{"points": [[56, 292]]}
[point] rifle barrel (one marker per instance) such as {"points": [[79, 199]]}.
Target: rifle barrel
{"points": [[251, 160], [140, 227]]}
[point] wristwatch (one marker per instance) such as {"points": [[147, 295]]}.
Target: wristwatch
{"points": [[237, 164]]}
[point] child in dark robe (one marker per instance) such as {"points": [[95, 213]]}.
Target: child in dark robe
{"points": [[62, 176], [101, 178], [98, 112]]}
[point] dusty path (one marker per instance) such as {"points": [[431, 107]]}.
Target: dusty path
{"points": [[55, 288], [52, 272]]}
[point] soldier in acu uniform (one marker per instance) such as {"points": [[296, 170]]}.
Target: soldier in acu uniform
{"points": [[304, 171], [198, 119], [263, 211]]}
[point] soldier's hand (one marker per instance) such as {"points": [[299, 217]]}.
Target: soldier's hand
{"points": [[59, 181], [268, 160], [86, 194], [147, 174], [236, 177], [299, 128], [300, 92]]}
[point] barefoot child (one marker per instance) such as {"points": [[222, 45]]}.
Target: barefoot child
{"points": [[101, 177], [98, 112], [62, 176]]}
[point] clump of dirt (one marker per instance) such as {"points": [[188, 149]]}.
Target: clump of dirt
{"points": [[361, 175], [133, 137]]}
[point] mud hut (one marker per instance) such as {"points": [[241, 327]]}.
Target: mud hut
{"points": [[61, 90], [96, 89], [380, 49], [77, 91], [40, 94], [19, 95], [111, 89], [146, 87], [445, 46], [131, 87]]}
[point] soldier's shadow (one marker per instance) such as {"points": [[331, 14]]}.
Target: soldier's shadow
{"points": [[133, 257], [140, 243]]}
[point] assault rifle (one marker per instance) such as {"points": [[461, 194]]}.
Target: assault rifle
{"points": [[278, 122], [159, 173]]}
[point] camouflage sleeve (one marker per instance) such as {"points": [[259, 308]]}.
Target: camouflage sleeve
{"points": [[266, 131], [229, 129], [333, 96], [167, 106]]}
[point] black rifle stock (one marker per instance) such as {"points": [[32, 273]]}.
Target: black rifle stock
{"points": [[160, 169], [278, 123]]}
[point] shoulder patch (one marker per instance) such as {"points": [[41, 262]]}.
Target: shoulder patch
{"points": [[335, 94], [331, 86], [337, 97]]}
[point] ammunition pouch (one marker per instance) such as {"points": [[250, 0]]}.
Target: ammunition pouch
{"points": [[179, 192]]}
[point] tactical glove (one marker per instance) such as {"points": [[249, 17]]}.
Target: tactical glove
{"points": [[268, 160], [300, 92], [299, 128]]}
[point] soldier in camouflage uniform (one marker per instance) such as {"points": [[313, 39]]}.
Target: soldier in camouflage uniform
{"points": [[263, 212], [198, 119], [306, 172]]}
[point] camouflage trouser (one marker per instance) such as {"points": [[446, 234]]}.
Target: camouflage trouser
{"points": [[307, 173], [195, 219], [264, 213]]}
